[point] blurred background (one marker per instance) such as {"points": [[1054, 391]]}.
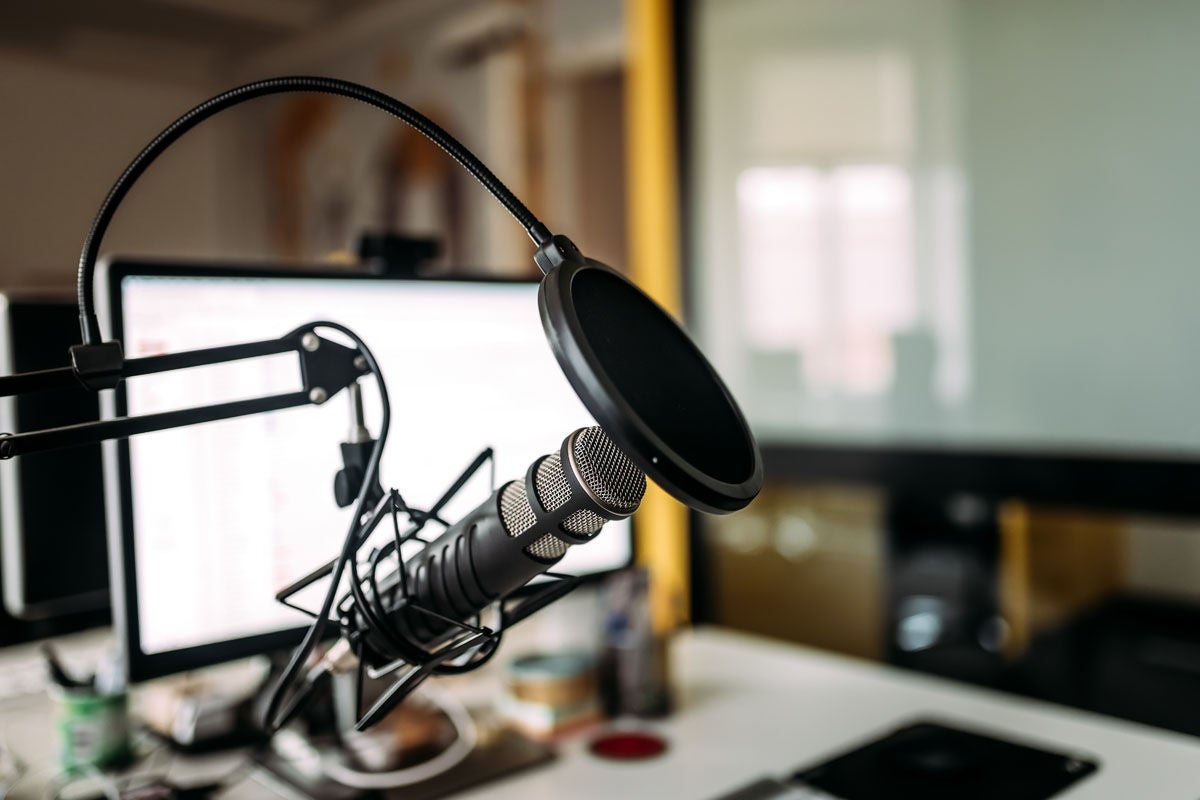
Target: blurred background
{"points": [[535, 88], [941, 250]]}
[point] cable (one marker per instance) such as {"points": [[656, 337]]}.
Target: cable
{"points": [[274, 718], [467, 735], [367, 608], [89, 324]]}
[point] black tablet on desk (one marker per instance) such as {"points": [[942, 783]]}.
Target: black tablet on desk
{"points": [[930, 760]]}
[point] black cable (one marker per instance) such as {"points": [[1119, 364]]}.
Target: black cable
{"points": [[373, 581], [90, 326], [481, 657], [377, 622], [393, 546], [400, 644], [399, 543], [273, 719], [372, 608]]}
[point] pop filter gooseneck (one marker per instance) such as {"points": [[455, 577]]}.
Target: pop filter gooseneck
{"points": [[635, 369]]}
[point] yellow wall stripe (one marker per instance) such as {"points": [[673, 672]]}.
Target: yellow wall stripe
{"points": [[653, 225]]}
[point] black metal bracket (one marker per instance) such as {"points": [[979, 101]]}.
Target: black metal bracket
{"points": [[98, 366], [326, 368], [555, 252]]}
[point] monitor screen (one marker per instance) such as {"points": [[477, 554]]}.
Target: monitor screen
{"points": [[220, 516]]}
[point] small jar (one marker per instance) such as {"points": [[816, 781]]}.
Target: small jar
{"points": [[551, 693], [93, 728]]}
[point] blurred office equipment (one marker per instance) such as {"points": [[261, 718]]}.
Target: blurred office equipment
{"points": [[550, 694], [943, 599], [52, 543], [943, 251], [635, 669], [803, 707], [211, 522]]}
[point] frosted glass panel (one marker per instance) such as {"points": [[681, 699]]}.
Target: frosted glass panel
{"points": [[953, 222]]}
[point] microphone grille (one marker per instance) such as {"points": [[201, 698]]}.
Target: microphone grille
{"points": [[548, 548], [606, 471], [517, 516], [598, 464], [515, 511], [583, 522], [550, 484], [553, 492]]}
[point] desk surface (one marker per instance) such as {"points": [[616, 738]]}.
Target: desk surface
{"points": [[750, 707]]}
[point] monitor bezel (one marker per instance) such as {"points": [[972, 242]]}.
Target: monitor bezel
{"points": [[140, 665]]}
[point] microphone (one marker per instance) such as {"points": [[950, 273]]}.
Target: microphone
{"points": [[522, 530]]}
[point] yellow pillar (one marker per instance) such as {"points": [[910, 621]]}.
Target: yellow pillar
{"points": [[653, 226], [1015, 583]]}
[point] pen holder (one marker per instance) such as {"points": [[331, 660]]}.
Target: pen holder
{"points": [[93, 728]]}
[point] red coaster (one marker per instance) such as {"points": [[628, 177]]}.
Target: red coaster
{"points": [[628, 746]]}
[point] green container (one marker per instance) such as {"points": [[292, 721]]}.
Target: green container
{"points": [[93, 729]]}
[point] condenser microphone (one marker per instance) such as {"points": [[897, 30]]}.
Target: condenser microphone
{"points": [[521, 531]]}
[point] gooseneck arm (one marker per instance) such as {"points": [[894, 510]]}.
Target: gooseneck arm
{"points": [[89, 324]]}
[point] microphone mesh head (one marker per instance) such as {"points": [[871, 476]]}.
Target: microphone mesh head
{"points": [[583, 522], [551, 487], [517, 517], [607, 472], [515, 511], [553, 492], [547, 548], [601, 467]]}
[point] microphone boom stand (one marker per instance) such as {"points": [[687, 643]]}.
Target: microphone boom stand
{"points": [[326, 368]]}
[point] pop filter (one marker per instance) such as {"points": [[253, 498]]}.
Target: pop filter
{"points": [[646, 383]]}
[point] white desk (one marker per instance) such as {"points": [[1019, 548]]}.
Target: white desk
{"points": [[750, 707]]}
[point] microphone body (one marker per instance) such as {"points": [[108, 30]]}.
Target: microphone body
{"points": [[522, 530]]}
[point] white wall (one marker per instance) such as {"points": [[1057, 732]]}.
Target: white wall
{"points": [[1081, 121], [65, 136], [405, 54], [1064, 132]]}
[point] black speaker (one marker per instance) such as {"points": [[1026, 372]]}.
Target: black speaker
{"points": [[53, 549], [943, 601]]}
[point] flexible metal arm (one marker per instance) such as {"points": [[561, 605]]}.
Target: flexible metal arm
{"points": [[90, 327], [326, 368]]}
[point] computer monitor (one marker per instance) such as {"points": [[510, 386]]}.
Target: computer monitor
{"points": [[52, 543], [208, 522]]}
